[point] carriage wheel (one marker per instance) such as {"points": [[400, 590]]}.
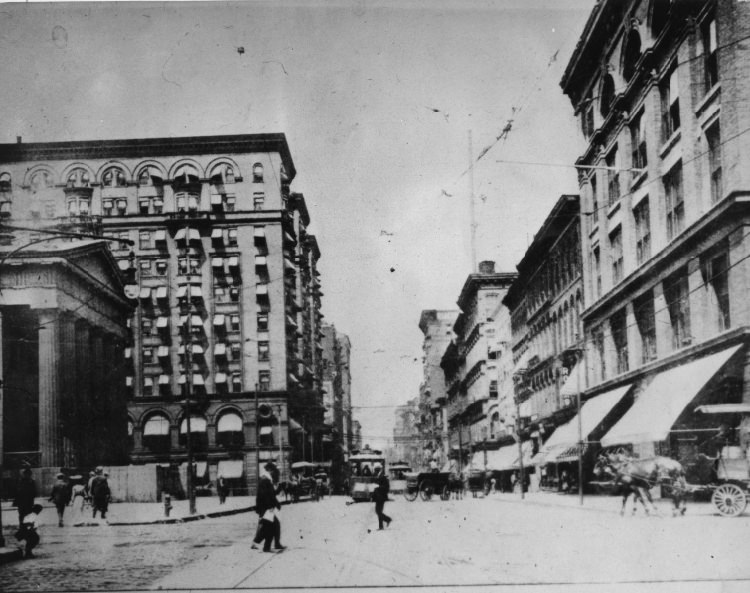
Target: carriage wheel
{"points": [[729, 500], [445, 493], [426, 490], [411, 494]]}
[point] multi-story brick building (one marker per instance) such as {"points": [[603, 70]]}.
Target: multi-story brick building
{"points": [[437, 328], [661, 90], [545, 305], [471, 383], [228, 298]]}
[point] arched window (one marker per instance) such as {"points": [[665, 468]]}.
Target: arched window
{"points": [[78, 177], [257, 173], [156, 432], [113, 177], [494, 424], [40, 180], [150, 176], [631, 54], [229, 431], [198, 436], [222, 174], [186, 175], [607, 95]]}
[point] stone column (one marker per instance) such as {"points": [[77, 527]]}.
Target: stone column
{"points": [[662, 323], [70, 407], [83, 395], [49, 388]]}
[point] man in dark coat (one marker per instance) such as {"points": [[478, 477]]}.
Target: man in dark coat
{"points": [[100, 493], [380, 496], [60, 495], [267, 507], [25, 495]]}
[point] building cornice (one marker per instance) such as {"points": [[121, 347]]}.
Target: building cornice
{"points": [[150, 147]]}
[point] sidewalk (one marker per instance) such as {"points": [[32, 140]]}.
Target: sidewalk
{"points": [[138, 513], [598, 502]]}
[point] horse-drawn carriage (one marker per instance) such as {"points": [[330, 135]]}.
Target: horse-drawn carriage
{"points": [[729, 490], [425, 484], [727, 481]]}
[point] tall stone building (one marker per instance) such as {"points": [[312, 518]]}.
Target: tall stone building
{"points": [[227, 323], [660, 89], [470, 375]]}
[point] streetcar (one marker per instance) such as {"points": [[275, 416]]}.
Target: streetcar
{"points": [[364, 471]]}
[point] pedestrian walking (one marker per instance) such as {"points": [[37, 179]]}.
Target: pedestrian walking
{"points": [[28, 530], [25, 495], [60, 495], [268, 506], [100, 493], [221, 489], [380, 496]]}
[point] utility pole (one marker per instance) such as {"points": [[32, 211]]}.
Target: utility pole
{"points": [[257, 441], [520, 446], [189, 379], [582, 366], [281, 450], [471, 208]]}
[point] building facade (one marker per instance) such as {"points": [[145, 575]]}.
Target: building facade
{"points": [[63, 320], [437, 328], [471, 376], [228, 298], [660, 89]]}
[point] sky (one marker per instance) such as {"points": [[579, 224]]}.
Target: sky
{"points": [[382, 104]]}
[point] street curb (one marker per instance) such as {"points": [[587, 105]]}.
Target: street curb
{"points": [[10, 554], [615, 511]]}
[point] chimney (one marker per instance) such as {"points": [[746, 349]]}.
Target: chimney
{"points": [[487, 267], [18, 139]]}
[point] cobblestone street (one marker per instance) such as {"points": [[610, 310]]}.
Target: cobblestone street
{"points": [[499, 541], [122, 557]]}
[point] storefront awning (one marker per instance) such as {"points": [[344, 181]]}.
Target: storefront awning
{"points": [[230, 468], [229, 422], [266, 430], [156, 426], [502, 459], [566, 436], [527, 450], [657, 408], [295, 426]]}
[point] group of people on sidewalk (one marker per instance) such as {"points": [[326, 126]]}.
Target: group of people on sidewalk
{"points": [[96, 491]]}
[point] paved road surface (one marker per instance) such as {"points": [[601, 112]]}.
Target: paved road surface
{"points": [[469, 542]]}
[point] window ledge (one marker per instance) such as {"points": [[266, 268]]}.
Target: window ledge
{"points": [[614, 208], [594, 231], [638, 179], [670, 143], [708, 99]]}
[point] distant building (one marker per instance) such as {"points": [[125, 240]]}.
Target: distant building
{"points": [[408, 443], [437, 328], [471, 379]]}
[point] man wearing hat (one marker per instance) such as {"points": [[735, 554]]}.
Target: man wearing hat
{"points": [[25, 494], [100, 493], [60, 495], [267, 507]]}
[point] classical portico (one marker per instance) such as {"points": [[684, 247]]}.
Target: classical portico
{"points": [[63, 320]]}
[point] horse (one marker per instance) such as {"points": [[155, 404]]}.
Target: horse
{"points": [[644, 474], [622, 485]]}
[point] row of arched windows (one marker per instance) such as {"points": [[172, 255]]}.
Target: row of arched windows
{"points": [[80, 176]]}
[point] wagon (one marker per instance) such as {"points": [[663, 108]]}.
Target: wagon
{"points": [[425, 484], [730, 491]]}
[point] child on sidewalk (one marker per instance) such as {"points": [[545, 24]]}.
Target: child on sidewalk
{"points": [[28, 531]]}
